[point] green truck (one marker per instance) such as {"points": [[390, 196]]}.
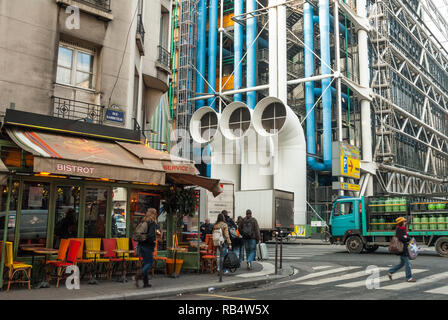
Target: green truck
{"points": [[366, 223]]}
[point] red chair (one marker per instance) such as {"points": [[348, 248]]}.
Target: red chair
{"points": [[109, 245], [72, 255], [80, 259]]}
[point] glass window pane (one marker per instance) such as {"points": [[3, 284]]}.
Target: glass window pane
{"points": [[96, 206], [65, 57], [141, 201], [84, 80], [67, 213], [34, 213], [63, 75], [12, 210], [119, 197], [85, 62]]}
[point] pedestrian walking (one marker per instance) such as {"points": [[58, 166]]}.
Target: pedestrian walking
{"points": [[402, 235], [206, 228], [227, 245], [145, 233], [237, 243], [251, 236]]}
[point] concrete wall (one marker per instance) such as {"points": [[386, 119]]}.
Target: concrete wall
{"points": [[31, 31]]}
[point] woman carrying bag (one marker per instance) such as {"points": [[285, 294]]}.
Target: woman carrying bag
{"points": [[402, 236]]}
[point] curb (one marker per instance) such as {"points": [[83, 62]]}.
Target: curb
{"points": [[148, 294]]}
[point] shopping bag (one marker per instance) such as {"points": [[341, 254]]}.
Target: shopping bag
{"points": [[395, 245], [413, 249], [262, 251]]}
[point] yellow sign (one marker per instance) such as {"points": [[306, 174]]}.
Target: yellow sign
{"points": [[346, 160], [350, 187]]}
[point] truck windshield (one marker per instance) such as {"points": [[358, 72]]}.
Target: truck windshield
{"points": [[343, 208]]}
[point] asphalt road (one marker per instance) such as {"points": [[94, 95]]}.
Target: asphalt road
{"points": [[330, 273]]}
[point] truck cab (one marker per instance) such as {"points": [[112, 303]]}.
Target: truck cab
{"points": [[345, 223]]}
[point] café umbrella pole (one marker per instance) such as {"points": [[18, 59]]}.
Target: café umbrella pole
{"points": [[5, 233]]}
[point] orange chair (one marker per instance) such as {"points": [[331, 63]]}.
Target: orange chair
{"points": [[157, 258], [15, 267], [208, 258], [51, 265]]}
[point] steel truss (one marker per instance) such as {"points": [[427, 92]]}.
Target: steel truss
{"points": [[410, 100]]}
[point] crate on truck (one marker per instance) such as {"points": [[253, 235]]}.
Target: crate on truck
{"points": [[273, 209], [369, 222]]}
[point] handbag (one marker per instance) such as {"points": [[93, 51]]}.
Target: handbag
{"points": [[395, 245], [413, 249]]}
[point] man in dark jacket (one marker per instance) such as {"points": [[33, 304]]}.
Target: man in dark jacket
{"points": [[206, 228], [402, 235], [250, 231]]}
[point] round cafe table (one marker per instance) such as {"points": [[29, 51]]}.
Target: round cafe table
{"points": [[123, 270], [45, 252], [95, 253]]}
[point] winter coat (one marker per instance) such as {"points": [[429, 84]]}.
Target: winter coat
{"points": [[225, 231]]}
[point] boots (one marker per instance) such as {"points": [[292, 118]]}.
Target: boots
{"points": [[146, 282]]}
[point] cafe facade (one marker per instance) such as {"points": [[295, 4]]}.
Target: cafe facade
{"points": [[100, 179]]}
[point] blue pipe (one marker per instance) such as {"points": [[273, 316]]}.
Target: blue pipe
{"points": [[324, 27], [238, 51], [342, 27], [200, 56], [318, 92], [212, 45], [251, 34], [308, 30]]}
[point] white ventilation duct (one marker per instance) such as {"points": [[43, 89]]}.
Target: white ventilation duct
{"points": [[224, 162], [253, 151], [273, 119]]}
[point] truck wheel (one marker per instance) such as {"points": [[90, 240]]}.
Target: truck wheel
{"points": [[354, 244], [442, 246], [371, 248]]}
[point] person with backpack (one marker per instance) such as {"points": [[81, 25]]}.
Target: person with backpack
{"points": [[220, 227], [145, 233], [402, 235], [251, 236], [237, 243]]}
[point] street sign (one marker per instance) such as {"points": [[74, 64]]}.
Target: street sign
{"points": [[346, 186], [115, 114], [345, 160]]}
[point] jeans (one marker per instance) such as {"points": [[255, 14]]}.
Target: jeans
{"points": [[404, 261], [148, 258], [225, 249], [251, 246], [239, 251]]}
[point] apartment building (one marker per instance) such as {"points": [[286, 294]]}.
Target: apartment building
{"points": [[100, 61]]}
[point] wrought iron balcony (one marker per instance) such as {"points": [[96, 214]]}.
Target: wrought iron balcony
{"points": [[140, 35], [77, 110], [103, 5], [164, 57]]}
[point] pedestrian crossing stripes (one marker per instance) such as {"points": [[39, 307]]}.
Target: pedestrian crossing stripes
{"points": [[356, 276], [297, 253]]}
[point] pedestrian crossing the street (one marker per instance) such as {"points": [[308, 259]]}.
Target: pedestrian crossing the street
{"points": [[291, 252], [358, 277]]}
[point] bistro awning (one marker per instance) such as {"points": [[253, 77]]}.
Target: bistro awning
{"points": [[77, 156]]}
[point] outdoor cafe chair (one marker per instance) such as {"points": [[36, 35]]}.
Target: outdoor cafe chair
{"points": [[208, 258], [109, 245], [123, 244], [80, 259], [62, 253], [94, 244], [70, 260], [15, 267], [158, 258], [139, 262]]}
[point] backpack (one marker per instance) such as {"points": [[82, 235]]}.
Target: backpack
{"points": [[218, 238], [145, 232], [231, 261], [247, 229]]}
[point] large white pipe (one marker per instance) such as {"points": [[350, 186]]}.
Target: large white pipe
{"points": [[282, 52], [290, 156], [366, 122], [273, 69], [204, 129], [253, 151]]}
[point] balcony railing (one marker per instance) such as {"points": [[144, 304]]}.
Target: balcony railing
{"points": [[78, 110], [164, 57], [103, 5], [141, 28]]}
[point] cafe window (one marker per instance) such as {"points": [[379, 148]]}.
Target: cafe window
{"points": [[141, 201], [34, 213], [118, 221], [12, 210], [67, 213], [95, 219], [16, 158]]}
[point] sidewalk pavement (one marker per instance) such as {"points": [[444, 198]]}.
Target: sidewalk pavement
{"points": [[162, 286]]}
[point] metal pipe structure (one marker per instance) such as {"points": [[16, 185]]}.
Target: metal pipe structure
{"points": [[201, 49], [212, 45], [366, 122], [282, 64], [273, 71], [238, 51], [251, 47]]}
